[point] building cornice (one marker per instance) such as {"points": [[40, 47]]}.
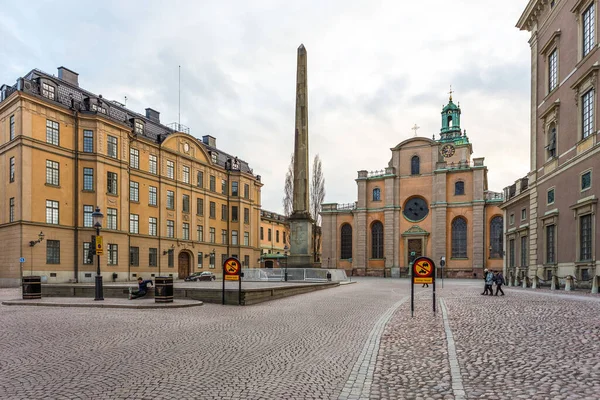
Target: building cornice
{"points": [[531, 13]]}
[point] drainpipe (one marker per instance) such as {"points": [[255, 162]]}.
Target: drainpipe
{"points": [[76, 195]]}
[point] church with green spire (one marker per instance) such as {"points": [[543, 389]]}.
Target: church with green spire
{"points": [[431, 199]]}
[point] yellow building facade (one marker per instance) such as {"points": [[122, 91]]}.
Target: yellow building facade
{"points": [[172, 204], [274, 238], [431, 200]]}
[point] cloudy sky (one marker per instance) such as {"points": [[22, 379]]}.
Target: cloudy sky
{"points": [[375, 68]]}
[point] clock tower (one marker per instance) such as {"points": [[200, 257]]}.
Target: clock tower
{"points": [[450, 122]]}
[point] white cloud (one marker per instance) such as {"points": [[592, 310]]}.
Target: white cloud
{"points": [[375, 69]]}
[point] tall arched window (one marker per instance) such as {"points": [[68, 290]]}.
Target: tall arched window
{"points": [[414, 165], [459, 188], [377, 240], [346, 242], [376, 194], [459, 238], [496, 237]]}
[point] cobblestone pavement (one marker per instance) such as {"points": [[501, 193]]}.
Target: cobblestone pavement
{"points": [[352, 342]]}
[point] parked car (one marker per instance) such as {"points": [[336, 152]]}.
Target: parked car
{"points": [[201, 276]]}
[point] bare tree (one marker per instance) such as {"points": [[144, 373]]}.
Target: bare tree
{"points": [[317, 190], [288, 189], [317, 195]]}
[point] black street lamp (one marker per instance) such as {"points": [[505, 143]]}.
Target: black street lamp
{"points": [[97, 217], [285, 251]]}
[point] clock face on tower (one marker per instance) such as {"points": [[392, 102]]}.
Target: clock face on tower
{"points": [[415, 209], [447, 150]]}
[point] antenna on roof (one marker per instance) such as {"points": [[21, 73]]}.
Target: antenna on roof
{"points": [[125, 101], [179, 120]]}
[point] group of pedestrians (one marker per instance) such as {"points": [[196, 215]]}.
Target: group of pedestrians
{"points": [[492, 277]]}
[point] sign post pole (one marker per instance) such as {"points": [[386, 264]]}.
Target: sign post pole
{"points": [[232, 272], [412, 284]]}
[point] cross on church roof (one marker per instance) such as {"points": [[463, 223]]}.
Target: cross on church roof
{"points": [[415, 128], [450, 92]]}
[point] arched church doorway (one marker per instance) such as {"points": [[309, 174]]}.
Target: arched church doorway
{"points": [[183, 264]]}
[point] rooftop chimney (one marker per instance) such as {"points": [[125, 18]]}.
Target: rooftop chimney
{"points": [[68, 76], [153, 115], [209, 140]]}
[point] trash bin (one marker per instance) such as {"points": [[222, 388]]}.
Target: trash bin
{"points": [[163, 289], [32, 287]]}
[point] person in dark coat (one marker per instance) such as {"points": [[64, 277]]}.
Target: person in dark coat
{"points": [[142, 289], [499, 279]]}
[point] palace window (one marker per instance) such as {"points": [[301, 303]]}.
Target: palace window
{"points": [[134, 191], [200, 179], [550, 249], [223, 212], [152, 196], [113, 254], [152, 163], [589, 34], [200, 233], [139, 128], [224, 236], [87, 249], [523, 251], [171, 259], [88, 141], [48, 91], [186, 231], [212, 235], [52, 173], [246, 238], [234, 188], [11, 210], [88, 179], [52, 212], [152, 257], [52, 134], [11, 172], [111, 218], [212, 211], [587, 113], [12, 127], [170, 199], [170, 228], [246, 191], [223, 186], [511, 253], [586, 180], [346, 242], [459, 238], [199, 206], [134, 158], [553, 70], [234, 213], [152, 226], [200, 257], [134, 223], [87, 216], [550, 197], [212, 183], [234, 237], [134, 256], [247, 217], [186, 203], [186, 174], [262, 233], [415, 165], [53, 252], [376, 194], [459, 188], [496, 237], [585, 237], [377, 240], [111, 148], [170, 169]]}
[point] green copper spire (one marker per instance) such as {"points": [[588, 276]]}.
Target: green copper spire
{"points": [[450, 121]]}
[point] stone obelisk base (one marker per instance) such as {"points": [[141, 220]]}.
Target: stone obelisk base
{"points": [[301, 244]]}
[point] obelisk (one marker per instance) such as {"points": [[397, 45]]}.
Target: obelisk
{"points": [[300, 220]]}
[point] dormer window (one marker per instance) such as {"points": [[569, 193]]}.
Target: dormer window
{"points": [[213, 157], [48, 91], [98, 108], [139, 128]]}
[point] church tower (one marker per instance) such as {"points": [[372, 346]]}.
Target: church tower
{"points": [[450, 122]]}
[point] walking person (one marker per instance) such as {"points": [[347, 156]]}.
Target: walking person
{"points": [[489, 281], [499, 283], [485, 286], [142, 289]]}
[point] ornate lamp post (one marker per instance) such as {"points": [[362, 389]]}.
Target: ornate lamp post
{"points": [[32, 243], [97, 217]]}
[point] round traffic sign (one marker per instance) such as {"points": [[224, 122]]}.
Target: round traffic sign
{"points": [[232, 266], [423, 267]]}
